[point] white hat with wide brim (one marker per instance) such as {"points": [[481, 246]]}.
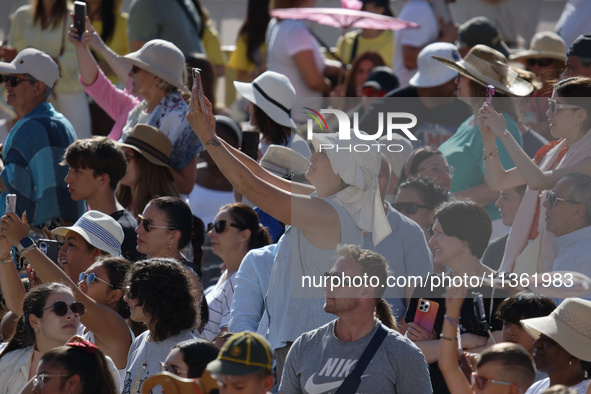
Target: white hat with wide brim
{"points": [[161, 58], [487, 66], [273, 94]]}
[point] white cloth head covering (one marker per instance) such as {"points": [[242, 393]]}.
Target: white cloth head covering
{"points": [[360, 171]]}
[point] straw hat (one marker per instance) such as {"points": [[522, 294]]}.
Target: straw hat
{"points": [[544, 45], [273, 93], [151, 143], [487, 66], [569, 325], [161, 58], [99, 230]]}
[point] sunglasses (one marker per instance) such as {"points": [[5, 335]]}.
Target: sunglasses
{"points": [[90, 278], [539, 62], [13, 81], [40, 380], [480, 382], [409, 208], [553, 199], [60, 308], [554, 106], [165, 367], [148, 226], [220, 226], [370, 91], [436, 169]]}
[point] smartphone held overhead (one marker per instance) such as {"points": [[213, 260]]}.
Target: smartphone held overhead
{"points": [[80, 18], [197, 83]]}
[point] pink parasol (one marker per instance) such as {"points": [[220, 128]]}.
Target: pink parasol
{"points": [[343, 18]]}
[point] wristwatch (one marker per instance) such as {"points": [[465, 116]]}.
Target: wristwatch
{"points": [[25, 243]]}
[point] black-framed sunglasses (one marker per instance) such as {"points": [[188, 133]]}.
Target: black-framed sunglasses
{"points": [[540, 62], [409, 208], [148, 226], [13, 81], [554, 106], [220, 226], [166, 367], [553, 199], [60, 308], [90, 278]]}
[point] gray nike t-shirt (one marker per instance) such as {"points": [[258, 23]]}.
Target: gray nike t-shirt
{"points": [[318, 362]]}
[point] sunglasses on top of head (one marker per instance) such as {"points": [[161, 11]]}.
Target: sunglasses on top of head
{"points": [[554, 106], [60, 308], [220, 226]]}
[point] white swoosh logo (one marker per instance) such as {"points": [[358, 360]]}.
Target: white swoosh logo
{"points": [[313, 388]]}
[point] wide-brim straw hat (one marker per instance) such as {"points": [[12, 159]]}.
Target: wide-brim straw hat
{"points": [[273, 93], [544, 45], [151, 143], [161, 58], [487, 66], [569, 325]]}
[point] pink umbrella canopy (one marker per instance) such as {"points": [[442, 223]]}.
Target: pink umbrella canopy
{"points": [[343, 18]]}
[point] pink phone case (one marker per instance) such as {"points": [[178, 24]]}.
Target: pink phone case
{"points": [[426, 314]]}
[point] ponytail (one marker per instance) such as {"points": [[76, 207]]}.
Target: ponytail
{"points": [[384, 313]]}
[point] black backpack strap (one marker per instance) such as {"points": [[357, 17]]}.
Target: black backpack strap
{"points": [[353, 380]]}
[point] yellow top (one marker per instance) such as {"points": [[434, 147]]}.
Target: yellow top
{"points": [[382, 44]]}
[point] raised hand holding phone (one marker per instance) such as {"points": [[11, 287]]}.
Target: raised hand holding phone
{"points": [[199, 84], [80, 18]]}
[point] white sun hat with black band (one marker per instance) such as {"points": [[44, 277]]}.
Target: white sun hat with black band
{"points": [[273, 93], [99, 230]]}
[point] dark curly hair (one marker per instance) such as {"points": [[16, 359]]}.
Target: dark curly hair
{"points": [[92, 367], [167, 294], [24, 335], [524, 305], [467, 221], [431, 193]]}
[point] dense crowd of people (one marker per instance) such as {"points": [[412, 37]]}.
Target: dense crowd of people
{"points": [[151, 237]]}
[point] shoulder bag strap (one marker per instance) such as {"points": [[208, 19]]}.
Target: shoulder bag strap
{"points": [[353, 380], [354, 49]]}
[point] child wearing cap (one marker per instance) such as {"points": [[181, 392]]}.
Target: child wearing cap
{"points": [[244, 364]]}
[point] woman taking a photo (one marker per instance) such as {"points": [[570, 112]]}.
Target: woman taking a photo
{"points": [[236, 230], [569, 120], [346, 202]]}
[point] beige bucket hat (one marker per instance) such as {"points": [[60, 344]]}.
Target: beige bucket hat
{"points": [[569, 325], [544, 45], [161, 58], [151, 143], [487, 66]]}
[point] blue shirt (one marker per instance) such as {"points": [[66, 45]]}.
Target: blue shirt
{"points": [[34, 148]]}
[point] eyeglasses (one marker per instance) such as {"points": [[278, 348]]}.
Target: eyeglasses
{"points": [[554, 106], [60, 308], [165, 367], [220, 226], [480, 382], [539, 62], [148, 226], [13, 81], [553, 199], [409, 208], [40, 380], [90, 278], [436, 169]]}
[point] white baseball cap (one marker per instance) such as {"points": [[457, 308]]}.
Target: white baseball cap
{"points": [[33, 62], [430, 72], [98, 229]]}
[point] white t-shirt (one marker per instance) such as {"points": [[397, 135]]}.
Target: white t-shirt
{"points": [[420, 12], [219, 300], [284, 40], [542, 385]]}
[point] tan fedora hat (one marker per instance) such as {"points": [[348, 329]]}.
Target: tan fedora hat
{"points": [[161, 58], [151, 143], [487, 66], [544, 45], [569, 325]]}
